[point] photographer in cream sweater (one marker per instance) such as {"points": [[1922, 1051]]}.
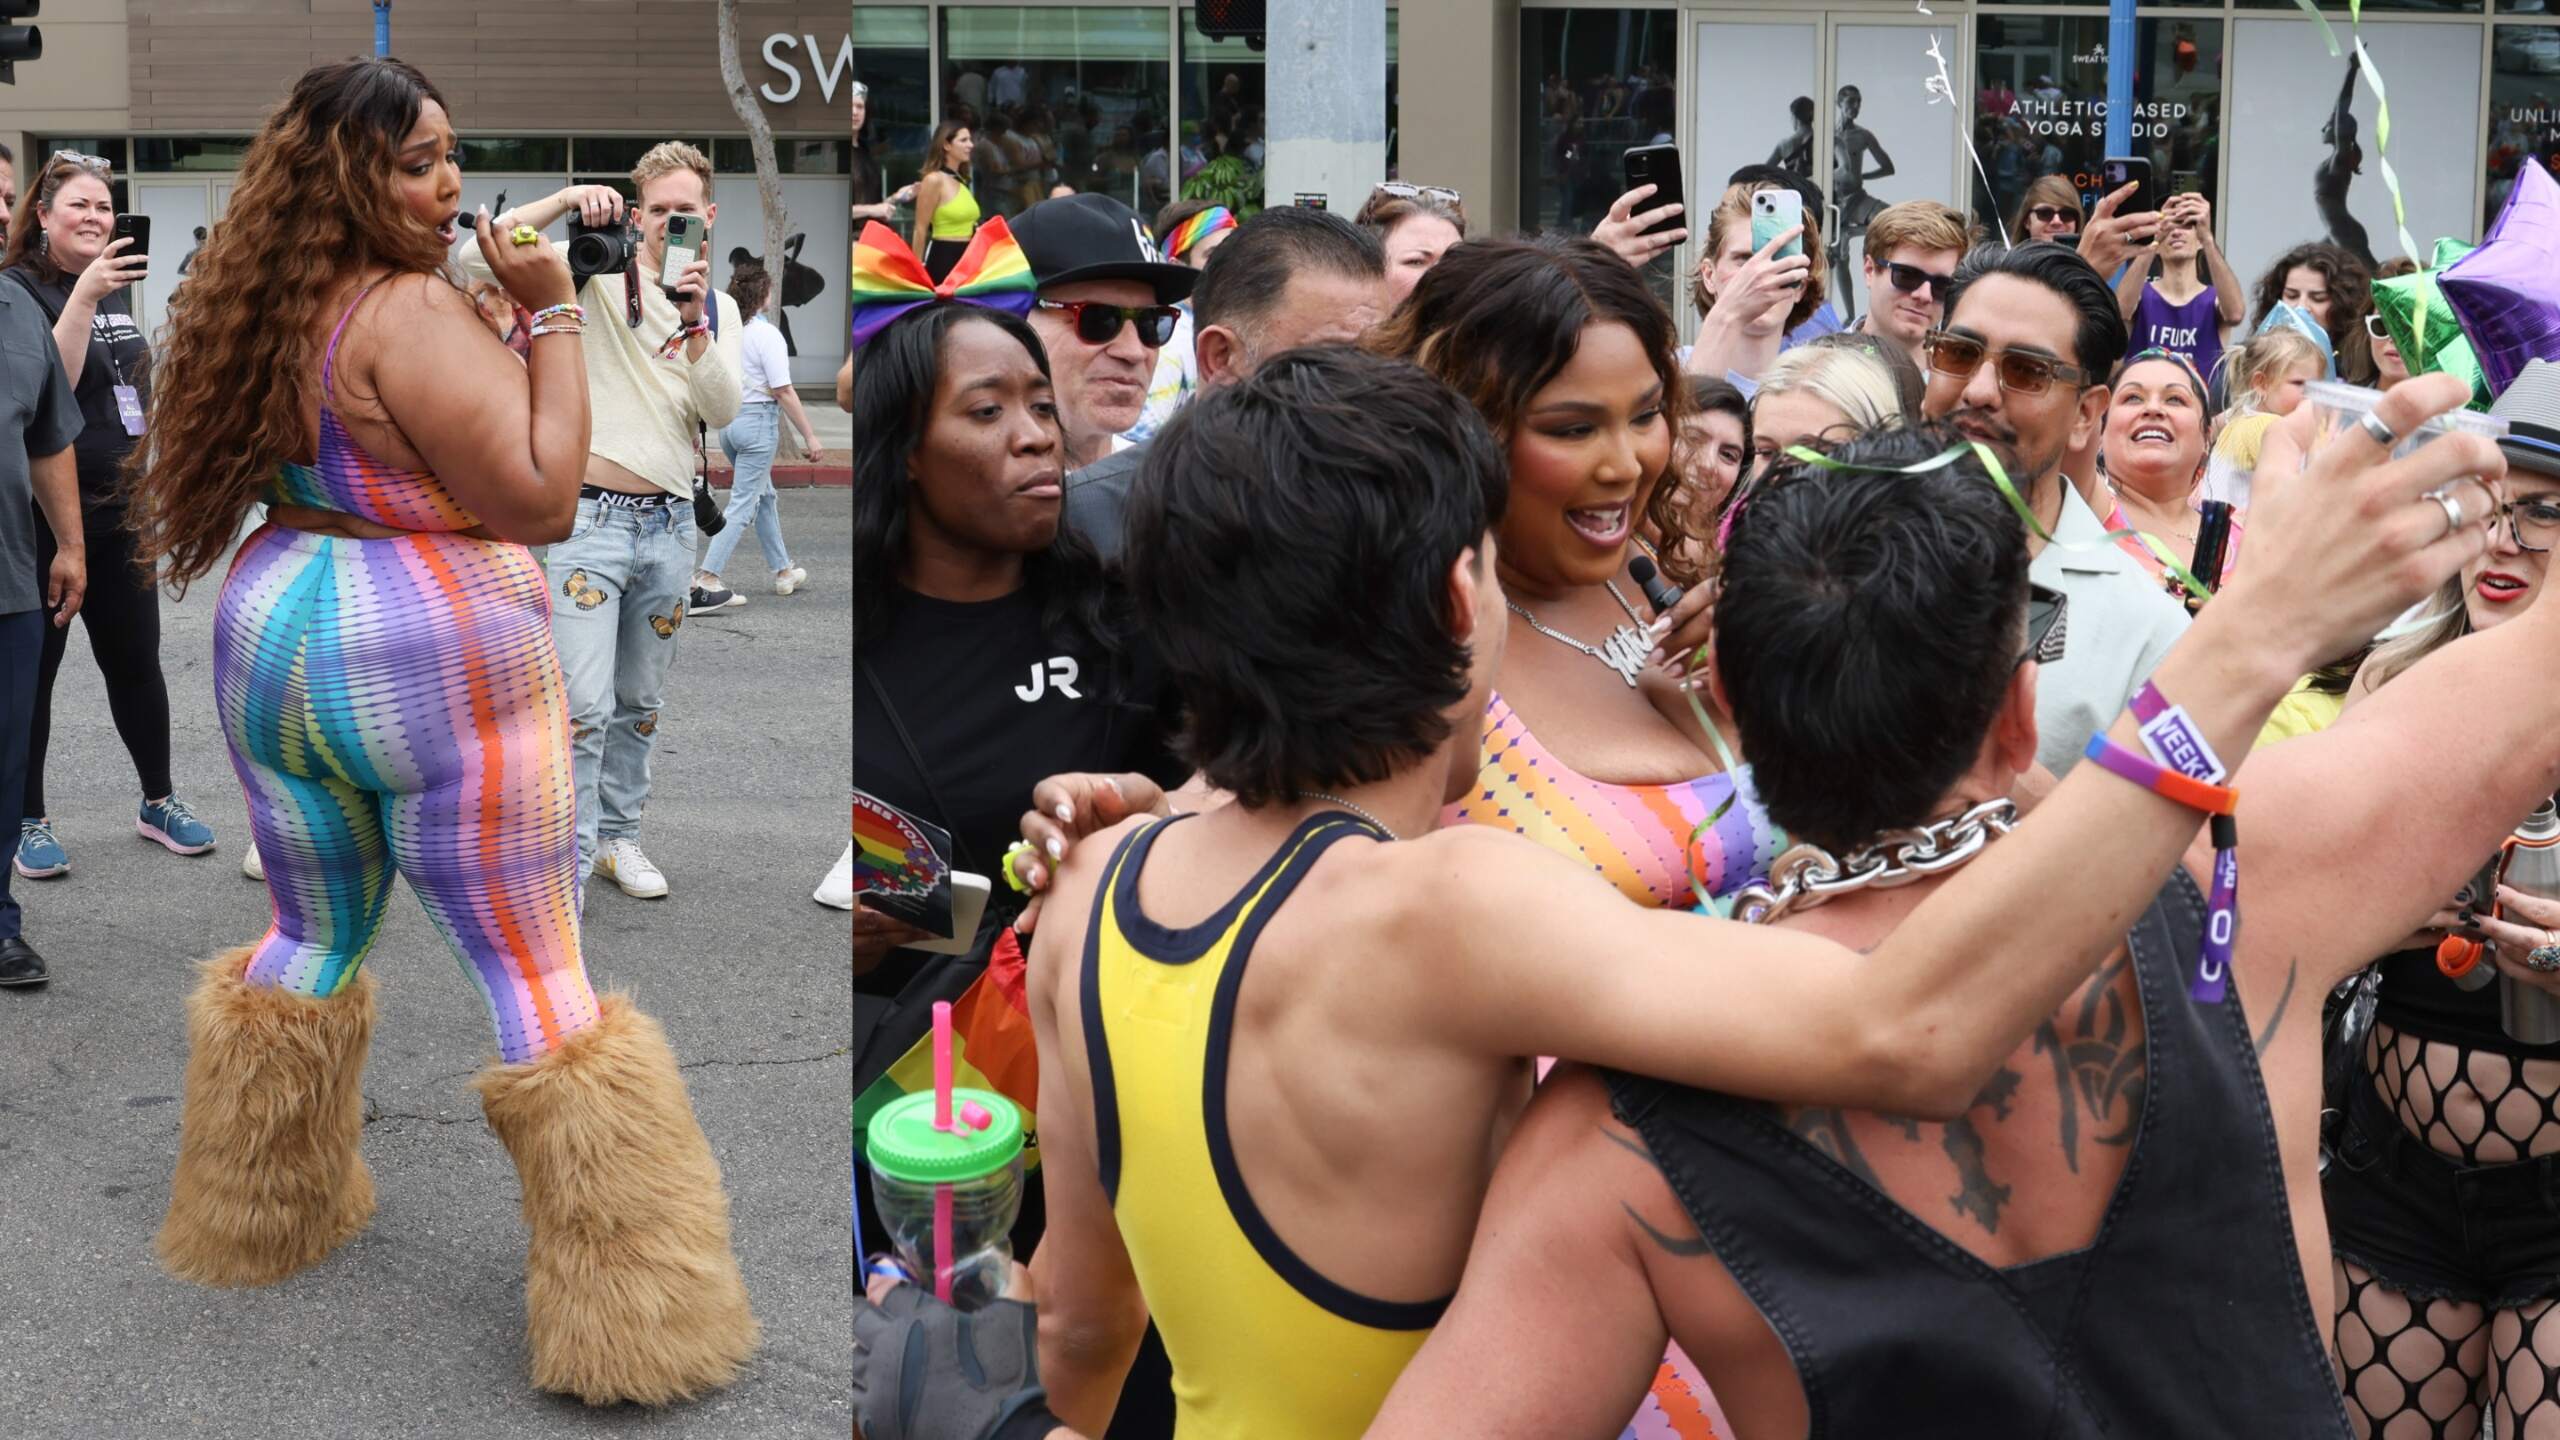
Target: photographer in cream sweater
{"points": [[656, 368]]}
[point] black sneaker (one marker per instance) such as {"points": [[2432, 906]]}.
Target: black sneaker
{"points": [[716, 597], [20, 964]]}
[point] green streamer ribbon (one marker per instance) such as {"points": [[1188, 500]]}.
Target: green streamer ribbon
{"points": [[2381, 106]]}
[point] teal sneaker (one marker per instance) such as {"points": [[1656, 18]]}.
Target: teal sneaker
{"points": [[40, 855], [172, 824]]}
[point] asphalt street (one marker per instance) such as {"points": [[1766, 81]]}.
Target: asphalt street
{"points": [[416, 1328]]}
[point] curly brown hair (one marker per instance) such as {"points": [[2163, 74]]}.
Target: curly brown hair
{"points": [[1496, 320], [236, 369]]}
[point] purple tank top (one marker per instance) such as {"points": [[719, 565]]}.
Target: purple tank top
{"points": [[2192, 329]]}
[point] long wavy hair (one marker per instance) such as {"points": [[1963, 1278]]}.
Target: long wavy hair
{"points": [[1496, 320], [26, 225], [238, 363], [2350, 300]]}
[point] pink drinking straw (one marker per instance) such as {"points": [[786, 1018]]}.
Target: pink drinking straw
{"points": [[942, 1122]]}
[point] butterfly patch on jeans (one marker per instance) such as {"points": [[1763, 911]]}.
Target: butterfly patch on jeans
{"points": [[666, 625], [577, 588]]}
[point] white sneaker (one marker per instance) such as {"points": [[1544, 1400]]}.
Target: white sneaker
{"points": [[786, 581], [251, 865], [623, 864], [836, 890]]}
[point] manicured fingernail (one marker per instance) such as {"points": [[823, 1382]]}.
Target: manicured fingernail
{"points": [[1057, 848], [1066, 813], [1653, 656], [1662, 625]]}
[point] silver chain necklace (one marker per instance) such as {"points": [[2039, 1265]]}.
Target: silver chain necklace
{"points": [[1808, 875], [1354, 809], [1625, 649]]}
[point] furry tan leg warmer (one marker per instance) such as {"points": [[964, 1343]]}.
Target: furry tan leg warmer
{"points": [[631, 1290], [270, 1176]]}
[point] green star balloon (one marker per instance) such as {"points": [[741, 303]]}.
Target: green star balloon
{"points": [[2425, 328]]}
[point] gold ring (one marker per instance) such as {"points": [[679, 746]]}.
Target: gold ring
{"points": [[525, 235]]}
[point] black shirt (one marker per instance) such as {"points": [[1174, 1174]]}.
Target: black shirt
{"points": [[117, 355], [995, 705]]}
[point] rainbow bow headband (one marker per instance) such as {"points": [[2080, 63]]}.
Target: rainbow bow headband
{"points": [[1196, 229], [889, 281]]}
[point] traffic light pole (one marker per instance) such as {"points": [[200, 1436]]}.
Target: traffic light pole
{"points": [[1326, 98]]}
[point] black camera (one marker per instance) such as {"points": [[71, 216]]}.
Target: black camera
{"points": [[601, 249]]}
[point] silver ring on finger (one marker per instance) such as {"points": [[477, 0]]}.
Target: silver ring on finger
{"points": [[2373, 425], [2544, 959], [2453, 520]]}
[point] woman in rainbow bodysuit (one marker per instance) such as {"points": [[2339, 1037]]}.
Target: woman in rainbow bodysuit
{"points": [[386, 679]]}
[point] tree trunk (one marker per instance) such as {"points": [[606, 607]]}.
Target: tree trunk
{"points": [[759, 138]]}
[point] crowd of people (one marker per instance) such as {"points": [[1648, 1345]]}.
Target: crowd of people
{"points": [[1367, 540], [407, 689]]}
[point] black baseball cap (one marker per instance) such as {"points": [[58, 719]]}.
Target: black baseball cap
{"points": [[1094, 237]]}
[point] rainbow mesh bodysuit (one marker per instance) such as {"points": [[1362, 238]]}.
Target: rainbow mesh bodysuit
{"points": [[396, 706]]}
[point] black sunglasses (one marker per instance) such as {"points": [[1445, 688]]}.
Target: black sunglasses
{"points": [[1907, 279], [2046, 622], [2022, 372], [2052, 214], [1099, 324]]}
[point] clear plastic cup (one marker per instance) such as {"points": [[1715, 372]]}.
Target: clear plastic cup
{"points": [[2335, 406], [949, 1197]]}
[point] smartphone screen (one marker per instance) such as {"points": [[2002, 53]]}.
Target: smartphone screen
{"points": [[1658, 166], [137, 226], [1774, 213], [2117, 171], [684, 245]]}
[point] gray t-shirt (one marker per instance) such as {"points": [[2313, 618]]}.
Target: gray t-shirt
{"points": [[1096, 496], [38, 418]]}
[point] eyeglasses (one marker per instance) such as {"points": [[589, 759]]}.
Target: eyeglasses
{"points": [[2022, 372], [1908, 279], [2054, 215], [2047, 620], [2373, 326], [2536, 516], [1402, 191], [1099, 324]]}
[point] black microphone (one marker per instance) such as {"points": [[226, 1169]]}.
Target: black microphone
{"points": [[1661, 594]]}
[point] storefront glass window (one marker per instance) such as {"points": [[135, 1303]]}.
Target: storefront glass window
{"points": [[534, 155], [790, 156], [1222, 117], [892, 54], [41, 146], [2040, 106], [616, 154], [1055, 96], [209, 153], [1597, 83], [2524, 107]]}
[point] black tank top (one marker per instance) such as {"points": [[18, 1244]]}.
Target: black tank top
{"points": [[2186, 1316], [2416, 999]]}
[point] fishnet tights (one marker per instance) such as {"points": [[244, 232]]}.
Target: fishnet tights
{"points": [[2413, 1369], [2477, 1106]]}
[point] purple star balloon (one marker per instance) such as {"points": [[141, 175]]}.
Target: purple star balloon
{"points": [[2507, 292]]}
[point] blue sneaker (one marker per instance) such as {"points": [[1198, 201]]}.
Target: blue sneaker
{"points": [[172, 824], [40, 856]]}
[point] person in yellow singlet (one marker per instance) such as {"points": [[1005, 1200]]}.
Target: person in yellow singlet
{"points": [[1281, 1045], [946, 208]]}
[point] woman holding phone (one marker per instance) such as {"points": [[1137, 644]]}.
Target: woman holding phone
{"points": [[64, 250]]}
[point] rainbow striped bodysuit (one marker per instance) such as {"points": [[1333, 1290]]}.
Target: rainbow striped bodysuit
{"points": [[396, 705]]}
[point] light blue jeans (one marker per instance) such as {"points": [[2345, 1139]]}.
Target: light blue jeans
{"points": [[749, 443], [618, 589]]}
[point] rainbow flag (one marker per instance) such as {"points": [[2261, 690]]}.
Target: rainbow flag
{"points": [[992, 1047]]}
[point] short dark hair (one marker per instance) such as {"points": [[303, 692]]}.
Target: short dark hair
{"points": [[1248, 274], [1866, 632], [2100, 338], [1289, 542]]}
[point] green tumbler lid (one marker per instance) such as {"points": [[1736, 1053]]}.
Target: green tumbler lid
{"points": [[903, 1145]]}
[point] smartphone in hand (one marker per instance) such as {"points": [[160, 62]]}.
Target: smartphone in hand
{"points": [[136, 228], [1774, 213], [2116, 171], [1659, 167], [684, 246]]}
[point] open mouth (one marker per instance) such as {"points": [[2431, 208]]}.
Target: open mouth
{"points": [[2159, 433], [449, 229], [2500, 589], [1605, 526]]}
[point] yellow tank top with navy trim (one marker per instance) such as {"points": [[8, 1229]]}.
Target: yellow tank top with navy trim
{"points": [[1262, 1345]]}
